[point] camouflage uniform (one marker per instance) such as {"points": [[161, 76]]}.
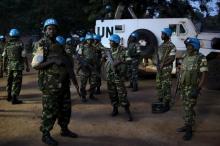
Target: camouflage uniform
{"points": [[191, 69], [15, 53], [115, 78], [99, 48], [133, 58], [1, 58], [86, 73], [163, 77], [54, 83]]}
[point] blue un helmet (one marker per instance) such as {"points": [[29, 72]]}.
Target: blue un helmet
{"points": [[60, 40], [2, 37], [81, 39], [194, 42], [14, 33], [89, 37], [167, 31], [97, 37], [50, 21], [115, 38]]}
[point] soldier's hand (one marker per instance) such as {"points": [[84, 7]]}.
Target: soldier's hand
{"points": [[195, 93]]}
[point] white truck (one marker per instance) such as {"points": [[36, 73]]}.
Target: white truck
{"points": [[149, 32]]}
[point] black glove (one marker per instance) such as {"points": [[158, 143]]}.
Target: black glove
{"points": [[195, 93]]}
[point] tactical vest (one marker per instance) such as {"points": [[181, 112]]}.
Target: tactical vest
{"points": [[89, 54], [164, 51], [53, 77], [119, 54], [190, 70]]}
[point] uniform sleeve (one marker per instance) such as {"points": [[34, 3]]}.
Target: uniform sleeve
{"points": [[173, 50], [24, 51], [203, 64]]}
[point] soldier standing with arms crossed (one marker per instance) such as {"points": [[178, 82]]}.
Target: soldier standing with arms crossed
{"points": [[54, 82]]}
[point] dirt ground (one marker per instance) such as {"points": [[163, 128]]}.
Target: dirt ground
{"points": [[19, 124]]}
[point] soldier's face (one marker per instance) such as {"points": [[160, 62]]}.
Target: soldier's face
{"points": [[113, 44], [190, 49], [89, 42], [51, 31]]}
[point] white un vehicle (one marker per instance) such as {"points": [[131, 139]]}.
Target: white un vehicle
{"points": [[149, 32]]}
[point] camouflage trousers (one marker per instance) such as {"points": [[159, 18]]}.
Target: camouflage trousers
{"points": [[98, 77], [14, 82], [85, 76], [188, 105], [117, 91], [56, 105], [163, 85], [133, 71]]}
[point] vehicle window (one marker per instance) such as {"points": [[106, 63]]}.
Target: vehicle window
{"points": [[173, 28], [182, 30]]}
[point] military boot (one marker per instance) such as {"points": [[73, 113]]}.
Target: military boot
{"points": [[115, 111], [47, 139], [181, 129], [188, 134], [67, 133], [135, 87], [83, 99], [98, 91], [128, 112], [15, 100], [92, 97], [9, 97], [166, 107], [130, 85]]}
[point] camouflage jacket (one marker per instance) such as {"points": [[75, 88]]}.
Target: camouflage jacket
{"points": [[88, 53], [53, 77], [15, 53], [191, 69], [118, 54], [166, 50], [1, 48], [133, 51]]}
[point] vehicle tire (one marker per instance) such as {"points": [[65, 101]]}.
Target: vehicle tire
{"points": [[150, 39], [213, 81]]}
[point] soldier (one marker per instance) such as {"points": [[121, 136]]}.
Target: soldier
{"points": [[2, 44], [115, 67], [165, 57], [192, 76], [133, 58], [15, 54], [53, 81], [99, 48], [70, 50], [88, 68]]}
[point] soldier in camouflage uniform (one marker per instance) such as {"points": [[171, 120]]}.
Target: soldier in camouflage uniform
{"points": [[133, 59], [192, 75], [165, 57], [99, 48], [54, 82], [88, 69], [116, 69], [2, 44], [15, 54], [69, 48]]}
